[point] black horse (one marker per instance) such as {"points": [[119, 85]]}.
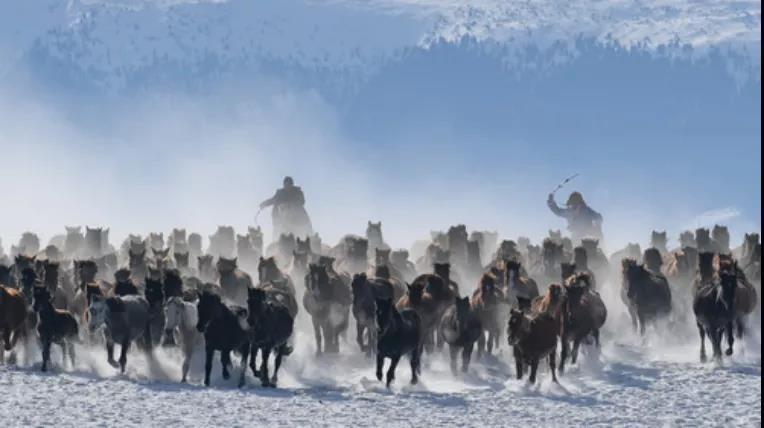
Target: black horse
{"points": [[54, 326], [460, 327], [154, 294], [365, 293], [714, 307], [225, 329], [271, 327], [398, 333]]}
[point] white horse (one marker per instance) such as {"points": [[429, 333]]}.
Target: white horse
{"points": [[181, 316]]}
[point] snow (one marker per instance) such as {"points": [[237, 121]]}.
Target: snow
{"points": [[653, 381], [112, 39]]}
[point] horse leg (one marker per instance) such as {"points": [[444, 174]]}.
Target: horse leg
{"points": [[244, 355], [264, 378], [518, 363], [481, 345], [596, 334], [45, 354], [641, 325], [380, 364], [467, 356], [452, 350], [372, 341], [497, 338], [188, 351], [317, 332], [702, 331], [730, 331], [277, 365], [491, 339], [553, 365], [7, 339], [716, 339], [429, 342], [391, 370], [225, 360], [634, 324], [564, 353], [123, 355], [439, 339], [576, 346], [416, 355], [110, 353], [72, 358], [209, 353], [534, 369], [740, 324], [359, 330]]}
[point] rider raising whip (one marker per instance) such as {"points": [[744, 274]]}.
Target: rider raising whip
{"points": [[289, 215]]}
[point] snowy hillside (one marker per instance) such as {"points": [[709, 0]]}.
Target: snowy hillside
{"points": [[112, 40]]}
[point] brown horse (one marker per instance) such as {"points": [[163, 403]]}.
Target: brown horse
{"points": [[532, 338], [13, 316], [486, 303]]}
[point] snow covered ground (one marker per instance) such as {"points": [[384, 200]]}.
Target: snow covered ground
{"points": [[656, 381]]}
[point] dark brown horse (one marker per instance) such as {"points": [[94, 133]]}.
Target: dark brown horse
{"points": [[366, 291], [54, 326], [328, 300], [487, 305], [532, 338], [426, 307], [583, 315], [13, 317], [714, 308], [398, 334], [460, 328], [646, 294]]}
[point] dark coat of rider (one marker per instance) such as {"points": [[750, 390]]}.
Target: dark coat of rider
{"points": [[583, 222], [289, 214]]}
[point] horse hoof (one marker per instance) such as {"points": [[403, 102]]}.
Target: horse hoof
{"points": [[113, 364], [226, 376], [703, 359], [729, 352]]}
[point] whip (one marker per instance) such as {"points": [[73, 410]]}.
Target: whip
{"points": [[564, 182]]}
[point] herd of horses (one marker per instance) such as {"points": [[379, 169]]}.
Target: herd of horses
{"points": [[155, 292]]}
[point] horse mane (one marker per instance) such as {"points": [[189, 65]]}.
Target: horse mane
{"points": [[547, 301], [579, 277]]}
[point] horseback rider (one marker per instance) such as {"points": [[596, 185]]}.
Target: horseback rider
{"points": [[289, 215], [583, 222]]}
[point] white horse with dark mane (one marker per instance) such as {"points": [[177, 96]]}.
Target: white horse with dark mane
{"points": [[181, 316]]}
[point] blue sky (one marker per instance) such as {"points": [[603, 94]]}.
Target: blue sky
{"points": [[433, 115]]}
